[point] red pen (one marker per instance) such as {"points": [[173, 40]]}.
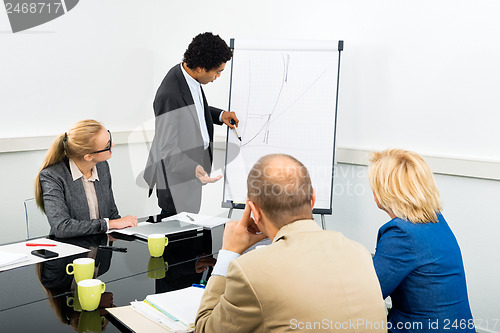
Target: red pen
{"points": [[38, 244]]}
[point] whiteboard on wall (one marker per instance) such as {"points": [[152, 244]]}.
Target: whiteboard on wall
{"points": [[285, 95]]}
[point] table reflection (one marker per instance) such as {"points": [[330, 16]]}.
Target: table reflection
{"points": [[61, 287], [46, 289], [188, 261]]}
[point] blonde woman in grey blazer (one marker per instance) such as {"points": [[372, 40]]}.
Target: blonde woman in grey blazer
{"points": [[73, 186]]}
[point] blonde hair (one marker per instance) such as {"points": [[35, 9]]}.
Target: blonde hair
{"points": [[403, 184], [75, 144]]}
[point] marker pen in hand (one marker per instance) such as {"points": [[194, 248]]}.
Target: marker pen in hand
{"points": [[235, 130]]}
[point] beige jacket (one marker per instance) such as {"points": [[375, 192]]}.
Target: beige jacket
{"points": [[307, 280]]}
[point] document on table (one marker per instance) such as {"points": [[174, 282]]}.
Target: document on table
{"points": [[127, 231], [207, 222], [18, 254], [181, 304], [7, 258], [171, 227], [175, 310]]}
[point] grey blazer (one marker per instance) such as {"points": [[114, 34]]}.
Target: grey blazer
{"points": [[66, 204]]}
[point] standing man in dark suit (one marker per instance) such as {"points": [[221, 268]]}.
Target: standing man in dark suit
{"points": [[180, 159]]}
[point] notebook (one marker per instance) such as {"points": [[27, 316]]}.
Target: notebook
{"points": [[207, 222], [172, 227], [180, 304], [174, 310]]}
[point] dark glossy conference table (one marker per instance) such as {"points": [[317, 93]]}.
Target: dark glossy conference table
{"points": [[38, 298]]}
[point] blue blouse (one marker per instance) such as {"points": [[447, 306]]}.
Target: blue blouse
{"points": [[420, 266]]}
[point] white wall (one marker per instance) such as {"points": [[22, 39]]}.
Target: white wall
{"points": [[421, 75], [94, 62]]}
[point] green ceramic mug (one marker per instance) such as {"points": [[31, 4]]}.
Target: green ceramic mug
{"points": [[74, 302], [157, 268], [82, 268], [156, 244], [91, 321], [89, 293]]}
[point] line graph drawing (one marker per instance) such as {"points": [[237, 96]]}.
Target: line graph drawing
{"points": [[269, 117], [286, 62]]}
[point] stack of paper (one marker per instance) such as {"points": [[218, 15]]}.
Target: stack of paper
{"points": [[7, 258], [207, 222], [127, 231], [174, 310]]}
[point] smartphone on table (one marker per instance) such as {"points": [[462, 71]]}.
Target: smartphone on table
{"points": [[44, 253]]}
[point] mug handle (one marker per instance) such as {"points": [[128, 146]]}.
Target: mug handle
{"points": [[166, 241], [67, 269], [103, 287], [72, 301], [166, 266]]}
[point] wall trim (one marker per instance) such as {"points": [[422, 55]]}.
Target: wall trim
{"points": [[445, 165]]}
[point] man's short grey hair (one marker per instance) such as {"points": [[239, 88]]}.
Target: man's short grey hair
{"points": [[281, 186]]}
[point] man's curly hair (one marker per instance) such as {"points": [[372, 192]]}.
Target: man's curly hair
{"points": [[207, 51]]}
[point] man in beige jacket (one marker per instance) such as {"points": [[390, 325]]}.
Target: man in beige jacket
{"points": [[308, 279]]}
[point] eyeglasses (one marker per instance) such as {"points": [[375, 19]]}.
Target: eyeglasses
{"points": [[109, 145]]}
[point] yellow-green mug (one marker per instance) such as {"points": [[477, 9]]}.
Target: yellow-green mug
{"points": [[89, 293], [82, 268], [74, 302], [91, 322], [156, 244], [157, 268]]}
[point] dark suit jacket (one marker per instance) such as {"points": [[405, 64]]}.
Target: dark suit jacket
{"points": [[177, 147], [66, 204]]}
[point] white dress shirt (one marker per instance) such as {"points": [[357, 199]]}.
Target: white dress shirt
{"points": [[89, 187], [195, 88], [223, 259]]}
